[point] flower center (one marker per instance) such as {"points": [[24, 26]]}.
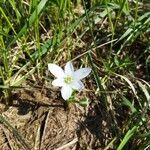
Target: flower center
{"points": [[68, 79]]}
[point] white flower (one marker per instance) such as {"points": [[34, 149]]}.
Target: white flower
{"points": [[68, 79]]}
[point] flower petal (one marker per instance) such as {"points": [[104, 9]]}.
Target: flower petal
{"points": [[82, 73], [58, 82], [56, 70], [78, 85], [69, 68], [66, 92]]}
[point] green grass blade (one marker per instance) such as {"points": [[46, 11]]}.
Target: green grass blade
{"points": [[127, 137], [7, 20], [96, 76], [13, 4], [126, 102], [32, 19]]}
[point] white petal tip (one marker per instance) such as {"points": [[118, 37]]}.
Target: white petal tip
{"points": [[55, 70], [50, 66], [66, 92]]}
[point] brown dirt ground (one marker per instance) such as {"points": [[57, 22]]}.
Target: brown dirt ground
{"points": [[41, 118]]}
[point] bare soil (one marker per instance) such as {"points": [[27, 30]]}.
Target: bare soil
{"points": [[45, 123]]}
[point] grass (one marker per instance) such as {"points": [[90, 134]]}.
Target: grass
{"points": [[112, 37]]}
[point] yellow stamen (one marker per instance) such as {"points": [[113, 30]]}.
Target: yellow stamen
{"points": [[68, 79]]}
